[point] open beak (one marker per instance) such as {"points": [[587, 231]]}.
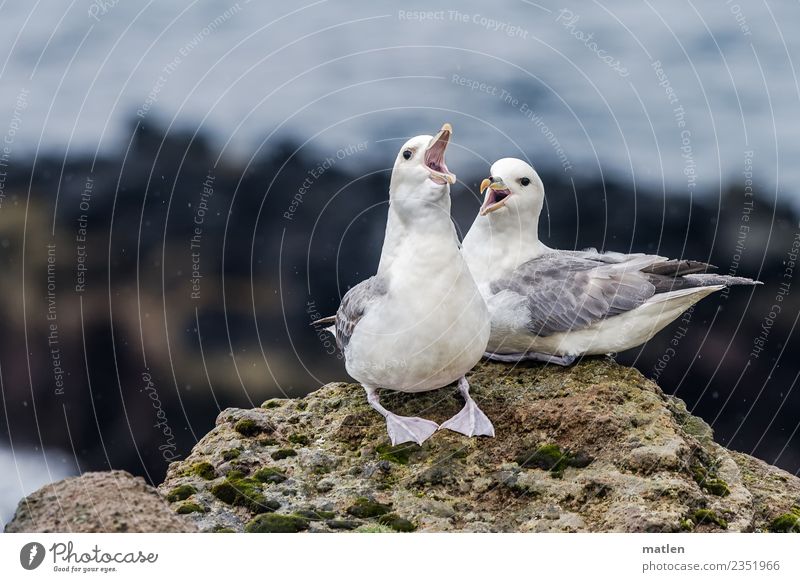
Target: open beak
{"points": [[434, 156], [496, 195]]}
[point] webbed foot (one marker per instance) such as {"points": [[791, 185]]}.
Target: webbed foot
{"points": [[471, 421]]}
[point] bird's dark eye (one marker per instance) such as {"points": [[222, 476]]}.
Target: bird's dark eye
{"points": [[525, 181], [407, 154]]}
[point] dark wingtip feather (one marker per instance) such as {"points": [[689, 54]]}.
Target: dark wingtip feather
{"points": [[324, 321]]}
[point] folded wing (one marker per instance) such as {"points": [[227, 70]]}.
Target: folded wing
{"points": [[355, 305], [570, 291]]}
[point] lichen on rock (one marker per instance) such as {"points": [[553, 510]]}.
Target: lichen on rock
{"points": [[593, 447]]}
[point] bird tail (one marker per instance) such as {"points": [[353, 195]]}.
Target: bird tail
{"points": [[705, 279], [678, 268], [324, 320], [331, 319]]}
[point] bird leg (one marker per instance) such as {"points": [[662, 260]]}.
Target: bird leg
{"points": [[532, 356], [401, 429], [471, 421]]}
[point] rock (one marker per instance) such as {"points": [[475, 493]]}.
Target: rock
{"points": [[109, 501], [594, 447]]}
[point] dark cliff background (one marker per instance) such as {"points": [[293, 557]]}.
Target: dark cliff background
{"points": [[150, 355]]}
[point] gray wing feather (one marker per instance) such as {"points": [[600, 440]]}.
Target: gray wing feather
{"points": [[567, 292], [355, 304]]}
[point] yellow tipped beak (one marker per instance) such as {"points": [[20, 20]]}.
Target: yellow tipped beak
{"points": [[496, 195]]}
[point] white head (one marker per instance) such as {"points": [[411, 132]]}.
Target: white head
{"points": [[515, 188], [420, 173]]}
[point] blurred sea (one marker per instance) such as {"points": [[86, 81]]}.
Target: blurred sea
{"points": [[337, 72]]}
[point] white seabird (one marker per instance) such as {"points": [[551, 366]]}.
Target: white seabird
{"points": [[420, 323], [551, 305]]}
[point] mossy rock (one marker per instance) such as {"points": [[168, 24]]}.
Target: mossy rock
{"points": [[283, 454], [243, 492], [190, 507], [204, 470], [222, 529], [399, 454], [247, 427], [180, 493], [786, 523], [707, 516], [273, 403], [708, 480], [396, 522], [275, 523], [300, 439], [267, 442], [231, 454], [343, 524], [269, 475], [364, 508], [551, 458], [315, 514]]}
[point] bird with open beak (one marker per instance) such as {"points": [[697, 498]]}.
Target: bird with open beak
{"points": [[553, 306], [420, 323]]}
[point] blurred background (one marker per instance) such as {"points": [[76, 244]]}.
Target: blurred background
{"points": [[185, 186]]}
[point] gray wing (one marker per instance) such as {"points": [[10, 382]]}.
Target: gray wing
{"points": [[565, 291], [355, 304]]}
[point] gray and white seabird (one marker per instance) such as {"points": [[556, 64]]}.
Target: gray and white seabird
{"points": [[420, 323], [551, 305]]}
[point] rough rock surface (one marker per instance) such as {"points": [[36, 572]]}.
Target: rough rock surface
{"points": [[109, 501], [594, 447]]}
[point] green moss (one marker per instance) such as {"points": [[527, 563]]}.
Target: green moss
{"points": [[364, 508], [399, 454], [269, 475], [709, 480], [204, 470], [231, 454], [786, 523], [273, 403], [396, 522], [222, 529], [551, 458], [247, 427], [300, 439], [707, 516], [274, 523], [243, 492], [283, 454], [190, 507], [687, 525], [315, 514], [342, 524], [461, 453], [180, 493], [267, 442]]}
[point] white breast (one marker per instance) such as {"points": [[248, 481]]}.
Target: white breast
{"points": [[431, 328]]}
